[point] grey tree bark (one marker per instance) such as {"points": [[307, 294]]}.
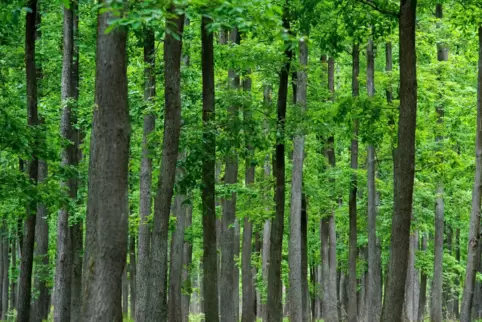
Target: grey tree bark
{"points": [[474, 232], [106, 221], [144, 235], [249, 296], [423, 285], [210, 277], [186, 267], [404, 166], [412, 286], [227, 291], [25, 281], [295, 272], [170, 146], [274, 305], [5, 277], [304, 261], [352, 309], [13, 284]]}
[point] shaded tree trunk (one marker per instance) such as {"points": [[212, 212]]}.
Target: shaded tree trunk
{"points": [[353, 247], [13, 284], [295, 242], [274, 305], [304, 261], [404, 167], [25, 281], [474, 236], [125, 293], [210, 278], [186, 268], [106, 221], [144, 235], [5, 276], [423, 286]]}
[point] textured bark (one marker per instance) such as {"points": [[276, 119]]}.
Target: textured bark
{"points": [[295, 272], [125, 293], [228, 281], [175, 276], [63, 268], [274, 306], [412, 286], [423, 286], [132, 274], [13, 284], [304, 261], [404, 166], [40, 305], [474, 236], [107, 205], [5, 277], [353, 248], [144, 235], [210, 278], [170, 146], [186, 267], [249, 296], [374, 288], [25, 281]]}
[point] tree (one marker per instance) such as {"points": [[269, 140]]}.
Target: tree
{"points": [[404, 166], [106, 221]]}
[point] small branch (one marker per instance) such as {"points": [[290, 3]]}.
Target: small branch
{"points": [[381, 10]]}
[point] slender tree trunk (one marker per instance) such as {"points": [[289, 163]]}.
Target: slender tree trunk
{"points": [[25, 281], [125, 293], [162, 205], [13, 284], [40, 306], [423, 286], [107, 204], [474, 236], [210, 282], [132, 274], [353, 248], [412, 286], [304, 261], [404, 166], [5, 276], [63, 273], [144, 242], [274, 306], [175, 276], [295, 255], [228, 281], [186, 269], [249, 295]]}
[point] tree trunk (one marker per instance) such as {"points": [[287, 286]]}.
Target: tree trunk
{"points": [[144, 242], [474, 236], [25, 281], [107, 205], [63, 273], [170, 147], [210, 278], [186, 268], [412, 286], [423, 286], [13, 284], [353, 247], [125, 293], [249, 295], [274, 305], [40, 305], [404, 166], [132, 274], [228, 281], [304, 261], [295, 268], [5, 277], [175, 276]]}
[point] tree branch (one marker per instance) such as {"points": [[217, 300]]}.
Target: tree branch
{"points": [[381, 10]]}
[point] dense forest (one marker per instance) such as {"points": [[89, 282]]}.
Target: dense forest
{"points": [[233, 160]]}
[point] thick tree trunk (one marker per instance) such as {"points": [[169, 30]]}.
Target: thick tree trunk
{"points": [[274, 306], [210, 278], [249, 295], [353, 248], [132, 274], [106, 221], [63, 273], [186, 267], [40, 305], [412, 287], [25, 281], [175, 276], [228, 280], [295, 255], [474, 236], [404, 167], [162, 206], [144, 235], [423, 287]]}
